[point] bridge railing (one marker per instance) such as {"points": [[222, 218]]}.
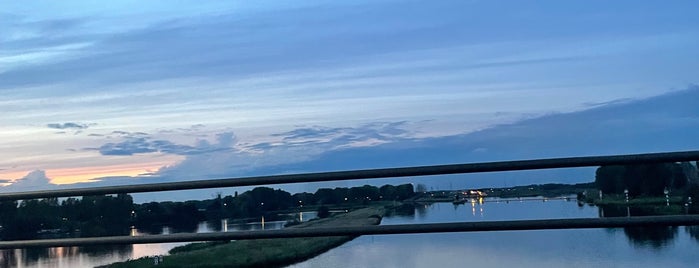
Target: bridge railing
{"points": [[570, 162]]}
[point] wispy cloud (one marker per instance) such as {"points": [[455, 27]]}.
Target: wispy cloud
{"points": [[69, 125], [143, 143]]}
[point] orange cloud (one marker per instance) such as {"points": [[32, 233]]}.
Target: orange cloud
{"points": [[85, 174], [12, 175]]}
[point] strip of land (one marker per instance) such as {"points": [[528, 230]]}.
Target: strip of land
{"points": [[276, 252]]}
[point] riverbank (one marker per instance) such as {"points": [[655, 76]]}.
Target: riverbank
{"points": [[533, 190], [637, 201], [263, 252]]}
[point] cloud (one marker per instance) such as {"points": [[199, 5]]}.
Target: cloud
{"points": [[69, 125], [128, 147], [295, 146], [143, 143], [35, 180], [665, 123], [606, 103], [340, 34], [333, 138], [38, 180]]}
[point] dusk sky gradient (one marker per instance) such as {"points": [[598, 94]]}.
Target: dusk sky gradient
{"points": [[97, 93]]}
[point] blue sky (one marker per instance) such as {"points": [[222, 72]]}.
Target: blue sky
{"points": [[100, 94]]}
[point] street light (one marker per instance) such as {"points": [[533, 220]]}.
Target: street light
{"points": [[628, 210]]}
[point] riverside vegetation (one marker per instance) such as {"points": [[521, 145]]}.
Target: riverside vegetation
{"points": [[263, 252], [116, 214]]}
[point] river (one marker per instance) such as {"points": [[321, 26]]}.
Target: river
{"points": [[670, 247], [663, 247]]}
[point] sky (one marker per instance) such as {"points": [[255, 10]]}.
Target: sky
{"points": [[96, 93]]}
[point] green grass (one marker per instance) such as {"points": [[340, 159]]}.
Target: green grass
{"points": [[247, 253], [262, 252], [196, 246], [637, 201]]}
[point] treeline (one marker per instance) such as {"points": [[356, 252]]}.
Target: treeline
{"points": [[647, 179], [90, 216], [546, 190], [114, 215], [261, 200]]}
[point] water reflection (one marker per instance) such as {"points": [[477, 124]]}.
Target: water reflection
{"points": [[693, 232], [404, 211], [61, 256], [629, 247], [668, 246], [421, 211], [656, 237], [72, 257]]}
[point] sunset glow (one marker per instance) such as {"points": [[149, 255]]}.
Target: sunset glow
{"points": [[86, 174]]}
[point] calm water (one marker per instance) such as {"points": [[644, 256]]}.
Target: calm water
{"points": [[665, 247], [668, 247], [78, 257]]}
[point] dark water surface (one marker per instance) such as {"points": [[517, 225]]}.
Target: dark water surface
{"points": [[657, 247], [638, 247]]}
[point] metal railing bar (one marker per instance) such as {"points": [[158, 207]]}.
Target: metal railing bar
{"points": [[517, 225], [549, 163]]}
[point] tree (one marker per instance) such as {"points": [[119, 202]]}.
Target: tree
{"points": [[388, 192], [609, 179], [326, 196], [323, 212], [640, 179], [405, 191]]}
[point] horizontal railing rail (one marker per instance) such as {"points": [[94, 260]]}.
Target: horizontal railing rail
{"points": [[518, 225], [569, 162]]}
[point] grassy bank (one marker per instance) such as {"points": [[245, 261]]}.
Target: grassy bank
{"points": [[263, 252], [637, 201]]}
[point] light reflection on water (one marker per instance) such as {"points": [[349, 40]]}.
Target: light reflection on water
{"points": [[78, 257], [670, 247]]}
